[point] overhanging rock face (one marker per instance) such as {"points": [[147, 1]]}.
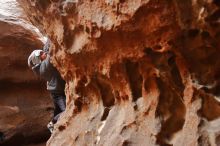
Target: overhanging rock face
{"points": [[25, 106], [138, 72]]}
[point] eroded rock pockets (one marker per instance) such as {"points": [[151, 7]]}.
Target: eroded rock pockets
{"points": [[148, 69]]}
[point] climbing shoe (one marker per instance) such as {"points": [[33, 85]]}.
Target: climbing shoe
{"points": [[50, 126]]}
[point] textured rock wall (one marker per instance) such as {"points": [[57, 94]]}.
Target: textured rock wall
{"points": [[25, 106], [138, 72]]}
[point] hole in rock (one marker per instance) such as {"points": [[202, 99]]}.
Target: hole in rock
{"points": [[217, 90], [77, 137], [172, 112], [60, 8], [88, 30], [126, 143], [153, 54], [44, 4], [135, 107], [205, 34], [135, 78], [81, 86], [105, 114], [217, 2], [207, 112], [79, 103], [217, 35], [49, 108], [68, 36], [218, 140], [170, 42], [148, 51], [214, 17], [157, 47], [193, 32], [175, 72], [214, 87], [105, 90], [2, 137], [61, 128]]}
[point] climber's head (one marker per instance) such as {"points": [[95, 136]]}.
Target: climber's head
{"points": [[43, 55], [36, 57]]}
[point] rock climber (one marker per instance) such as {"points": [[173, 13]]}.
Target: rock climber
{"points": [[39, 62]]}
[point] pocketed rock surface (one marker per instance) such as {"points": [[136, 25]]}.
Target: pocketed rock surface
{"points": [[138, 72]]}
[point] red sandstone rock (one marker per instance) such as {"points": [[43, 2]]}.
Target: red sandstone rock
{"points": [[148, 68], [25, 106]]}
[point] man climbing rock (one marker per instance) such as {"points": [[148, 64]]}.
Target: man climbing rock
{"points": [[39, 62]]}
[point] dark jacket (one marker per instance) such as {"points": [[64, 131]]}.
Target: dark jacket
{"points": [[55, 84]]}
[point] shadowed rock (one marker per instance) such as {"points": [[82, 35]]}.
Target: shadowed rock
{"points": [[25, 106]]}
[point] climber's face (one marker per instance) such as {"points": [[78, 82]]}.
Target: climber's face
{"points": [[43, 56]]}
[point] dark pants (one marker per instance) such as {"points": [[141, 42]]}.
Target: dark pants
{"points": [[59, 100]]}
